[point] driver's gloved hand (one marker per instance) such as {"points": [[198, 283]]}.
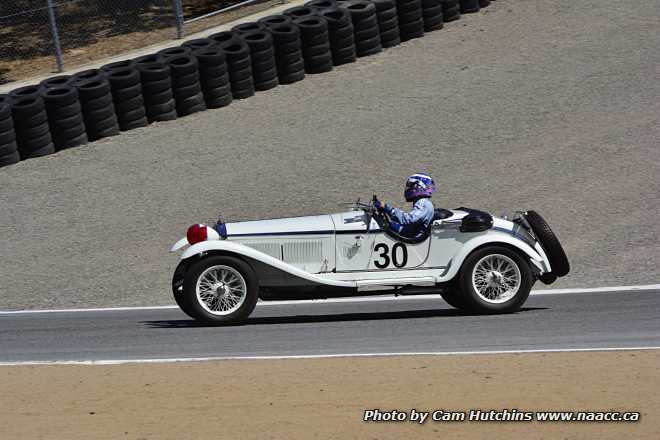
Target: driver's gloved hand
{"points": [[382, 207]]}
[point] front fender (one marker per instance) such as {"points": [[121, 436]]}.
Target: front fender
{"points": [[239, 249], [536, 256]]}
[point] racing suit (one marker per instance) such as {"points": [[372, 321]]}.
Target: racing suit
{"points": [[414, 223]]}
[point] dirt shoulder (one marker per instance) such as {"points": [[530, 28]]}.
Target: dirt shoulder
{"points": [[326, 398]]}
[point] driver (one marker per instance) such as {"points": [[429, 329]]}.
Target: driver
{"points": [[413, 224]]}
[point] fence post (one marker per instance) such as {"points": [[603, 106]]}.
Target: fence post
{"points": [[56, 36], [178, 11]]}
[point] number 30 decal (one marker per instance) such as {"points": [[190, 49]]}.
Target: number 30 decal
{"points": [[384, 255]]}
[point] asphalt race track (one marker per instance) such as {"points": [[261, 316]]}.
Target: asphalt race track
{"points": [[548, 322]]}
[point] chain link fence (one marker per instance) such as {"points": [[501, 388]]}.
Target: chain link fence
{"points": [[44, 36]]}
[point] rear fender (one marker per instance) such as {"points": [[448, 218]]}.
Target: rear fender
{"points": [[537, 257]]}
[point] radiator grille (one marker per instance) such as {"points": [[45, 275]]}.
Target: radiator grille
{"points": [[272, 249], [302, 252]]}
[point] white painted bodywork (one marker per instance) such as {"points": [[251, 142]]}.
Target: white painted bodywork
{"points": [[338, 250]]}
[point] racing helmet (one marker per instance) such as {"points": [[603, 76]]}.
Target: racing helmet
{"points": [[418, 185]]}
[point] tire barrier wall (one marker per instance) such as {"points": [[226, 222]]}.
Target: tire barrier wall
{"points": [[205, 73]]}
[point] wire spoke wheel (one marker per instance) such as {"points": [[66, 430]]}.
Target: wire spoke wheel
{"points": [[221, 290], [496, 278]]}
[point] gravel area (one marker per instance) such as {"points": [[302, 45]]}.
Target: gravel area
{"points": [[552, 106]]}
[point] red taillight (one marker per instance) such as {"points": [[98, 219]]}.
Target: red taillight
{"points": [[196, 233]]}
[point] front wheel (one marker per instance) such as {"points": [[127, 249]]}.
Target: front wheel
{"points": [[495, 279], [220, 290]]}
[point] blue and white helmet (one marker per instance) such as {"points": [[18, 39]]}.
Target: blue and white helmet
{"points": [[418, 185]]}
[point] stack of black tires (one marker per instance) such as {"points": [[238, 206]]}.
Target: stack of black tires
{"points": [[8, 147], [126, 89], [411, 21], [432, 14], [97, 106], [156, 82], [262, 55], [365, 27], [30, 122], [214, 76], [187, 90], [65, 117], [451, 10], [315, 38], [288, 48], [239, 63], [341, 33], [388, 22], [469, 6]]}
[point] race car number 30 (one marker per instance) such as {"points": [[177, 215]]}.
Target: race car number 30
{"points": [[398, 256]]}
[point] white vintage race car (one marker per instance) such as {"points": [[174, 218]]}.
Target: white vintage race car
{"points": [[476, 262]]}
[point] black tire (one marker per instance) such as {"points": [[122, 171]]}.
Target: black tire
{"points": [[550, 243], [165, 107], [183, 93], [387, 36], [9, 159], [132, 115], [469, 6], [217, 92], [368, 46], [185, 80], [474, 302], [239, 64], [183, 65], [338, 61], [259, 41], [72, 142], [102, 124], [367, 34], [263, 56], [299, 12], [320, 67], [212, 83], [410, 17], [101, 103], [159, 98], [93, 88], [155, 87], [123, 78], [454, 298], [7, 136], [321, 4], [240, 75], [200, 43], [211, 57], [128, 93], [129, 104], [57, 81], [62, 123], [226, 38], [288, 47], [133, 124], [154, 72], [161, 117], [172, 52], [221, 101], [319, 49], [275, 20], [118, 65], [25, 91], [59, 96], [290, 78], [266, 85], [337, 18], [433, 23], [66, 111], [8, 148], [291, 68], [360, 10], [248, 27], [192, 304], [88, 75], [261, 76]]}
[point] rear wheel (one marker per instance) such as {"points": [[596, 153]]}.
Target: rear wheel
{"points": [[495, 279], [220, 290]]}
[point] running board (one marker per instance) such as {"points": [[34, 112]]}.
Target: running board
{"points": [[411, 281]]}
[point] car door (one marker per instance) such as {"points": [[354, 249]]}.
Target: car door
{"points": [[391, 254]]}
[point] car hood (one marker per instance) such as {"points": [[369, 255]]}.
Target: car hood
{"points": [[317, 224]]}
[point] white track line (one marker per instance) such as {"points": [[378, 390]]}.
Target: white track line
{"points": [[378, 298], [320, 356]]}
